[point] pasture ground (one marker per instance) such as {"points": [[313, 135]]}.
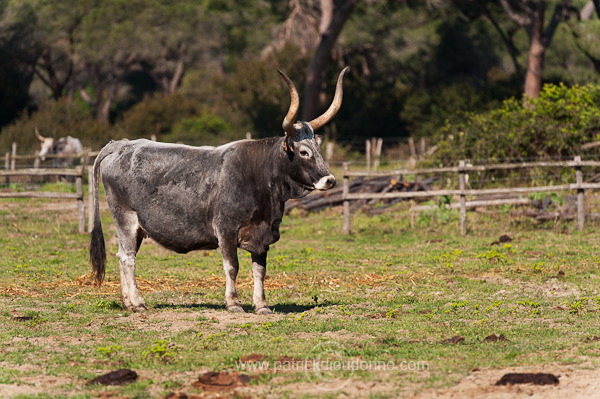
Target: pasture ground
{"points": [[390, 311]]}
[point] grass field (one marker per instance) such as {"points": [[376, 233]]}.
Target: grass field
{"points": [[390, 311]]}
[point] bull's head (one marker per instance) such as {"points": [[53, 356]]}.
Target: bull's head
{"points": [[46, 145], [301, 143]]}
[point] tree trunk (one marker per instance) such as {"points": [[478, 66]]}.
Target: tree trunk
{"points": [[326, 15], [341, 10], [104, 111], [537, 52], [587, 11], [177, 76], [103, 97]]}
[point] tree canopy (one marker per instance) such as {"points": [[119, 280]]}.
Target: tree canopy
{"points": [[204, 71]]}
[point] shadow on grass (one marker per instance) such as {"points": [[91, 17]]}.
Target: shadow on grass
{"points": [[191, 306], [291, 308], [284, 308], [295, 308]]}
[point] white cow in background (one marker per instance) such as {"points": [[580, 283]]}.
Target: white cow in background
{"points": [[62, 146]]}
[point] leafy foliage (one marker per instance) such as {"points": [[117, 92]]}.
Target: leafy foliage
{"points": [[156, 115], [414, 66], [555, 125], [55, 118], [206, 129], [255, 91]]}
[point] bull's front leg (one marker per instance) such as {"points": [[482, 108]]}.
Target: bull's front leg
{"points": [[231, 268], [130, 293], [259, 270]]}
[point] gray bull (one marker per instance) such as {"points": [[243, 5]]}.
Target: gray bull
{"points": [[63, 146], [189, 198]]}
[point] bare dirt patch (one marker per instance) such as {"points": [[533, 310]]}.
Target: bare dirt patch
{"points": [[339, 335], [457, 339], [574, 384], [181, 321], [34, 385], [351, 389], [220, 381]]}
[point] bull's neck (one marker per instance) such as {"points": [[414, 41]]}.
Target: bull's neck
{"points": [[283, 187]]}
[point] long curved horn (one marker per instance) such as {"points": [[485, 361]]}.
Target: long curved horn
{"points": [[335, 104], [290, 117], [39, 136]]}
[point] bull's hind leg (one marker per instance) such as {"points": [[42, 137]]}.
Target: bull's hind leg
{"points": [[259, 270], [130, 238], [231, 267]]}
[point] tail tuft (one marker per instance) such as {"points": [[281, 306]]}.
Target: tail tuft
{"points": [[97, 244], [98, 254]]}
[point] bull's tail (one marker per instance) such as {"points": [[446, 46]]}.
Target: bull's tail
{"points": [[97, 244]]}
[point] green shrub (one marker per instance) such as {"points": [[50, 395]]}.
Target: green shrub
{"points": [[206, 129], [155, 115], [555, 125], [60, 118]]}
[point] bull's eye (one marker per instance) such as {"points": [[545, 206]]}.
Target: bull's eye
{"points": [[305, 153]]}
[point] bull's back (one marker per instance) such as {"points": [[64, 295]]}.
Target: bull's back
{"points": [[170, 187]]}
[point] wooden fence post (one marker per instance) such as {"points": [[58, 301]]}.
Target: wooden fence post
{"points": [[377, 146], [13, 162], [80, 205], [411, 146], [345, 192], [463, 198], [90, 200], [329, 152], [368, 153], [37, 161], [422, 146], [580, 194]]}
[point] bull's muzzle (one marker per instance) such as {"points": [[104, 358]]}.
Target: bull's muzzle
{"points": [[325, 183]]}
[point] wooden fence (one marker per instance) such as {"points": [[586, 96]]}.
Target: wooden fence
{"points": [[11, 158], [77, 173], [462, 170]]}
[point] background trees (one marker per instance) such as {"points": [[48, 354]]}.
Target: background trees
{"points": [[553, 126], [203, 71], [334, 14]]}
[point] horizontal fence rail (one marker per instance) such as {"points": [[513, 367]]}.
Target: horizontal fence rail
{"points": [[11, 158], [77, 173], [462, 170]]}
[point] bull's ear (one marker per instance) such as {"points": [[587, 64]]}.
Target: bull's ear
{"points": [[319, 139], [288, 144]]}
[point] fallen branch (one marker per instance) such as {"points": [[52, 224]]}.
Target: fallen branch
{"points": [[382, 184]]}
